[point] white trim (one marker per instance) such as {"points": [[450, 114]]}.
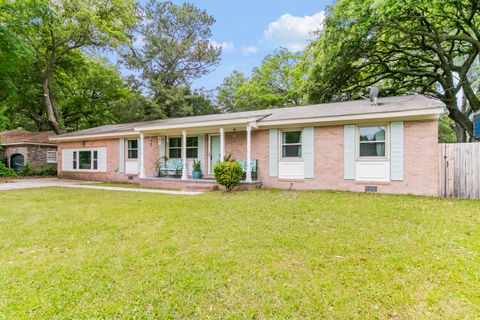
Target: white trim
{"points": [[259, 121], [210, 165], [248, 176], [125, 135], [132, 149], [184, 155], [28, 143], [141, 156], [388, 116], [243, 120], [56, 156], [387, 143], [222, 144], [280, 143], [101, 151]]}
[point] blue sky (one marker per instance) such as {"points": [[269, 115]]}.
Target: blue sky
{"points": [[248, 30]]}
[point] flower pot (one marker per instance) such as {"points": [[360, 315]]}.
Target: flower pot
{"points": [[197, 174]]}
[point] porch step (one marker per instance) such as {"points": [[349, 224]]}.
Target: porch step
{"points": [[201, 187]]}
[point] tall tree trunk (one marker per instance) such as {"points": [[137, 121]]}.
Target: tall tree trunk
{"points": [[461, 133], [51, 107]]}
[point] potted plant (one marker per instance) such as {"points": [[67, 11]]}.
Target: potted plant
{"points": [[197, 170]]}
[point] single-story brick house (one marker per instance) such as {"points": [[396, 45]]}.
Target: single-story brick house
{"points": [[389, 147], [19, 146]]}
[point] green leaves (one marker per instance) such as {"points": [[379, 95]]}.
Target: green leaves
{"points": [[228, 174], [277, 82], [174, 50], [401, 46]]}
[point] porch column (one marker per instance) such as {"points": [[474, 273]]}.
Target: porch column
{"points": [[222, 145], [248, 177], [141, 157], [184, 155]]}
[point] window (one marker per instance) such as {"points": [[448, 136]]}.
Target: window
{"points": [[292, 144], [51, 156], [132, 149], [85, 160], [175, 148], [192, 147], [372, 141]]}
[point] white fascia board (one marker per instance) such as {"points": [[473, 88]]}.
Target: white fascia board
{"points": [[214, 123], [96, 136], [28, 143], [431, 113]]}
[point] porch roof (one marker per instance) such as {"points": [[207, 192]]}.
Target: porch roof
{"points": [[399, 107]]}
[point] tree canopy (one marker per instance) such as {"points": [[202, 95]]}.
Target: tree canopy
{"points": [[175, 50], [278, 82], [426, 46]]}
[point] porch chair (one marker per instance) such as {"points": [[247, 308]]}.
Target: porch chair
{"points": [[253, 165], [171, 168]]}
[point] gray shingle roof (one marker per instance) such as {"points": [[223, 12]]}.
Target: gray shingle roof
{"points": [[388, 104]]}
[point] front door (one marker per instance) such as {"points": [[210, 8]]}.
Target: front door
{"points": [[17, 161], [214, 155]]}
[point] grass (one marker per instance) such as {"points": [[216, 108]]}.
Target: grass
{"points": [[256, 254]]}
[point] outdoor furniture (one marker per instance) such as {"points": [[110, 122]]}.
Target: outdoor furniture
{"points": [[171, 168], [253, 165]]}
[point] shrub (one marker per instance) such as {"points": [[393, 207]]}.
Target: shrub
{"points": [[46, 170], [228, 174], [26, 170], [6, 172]]}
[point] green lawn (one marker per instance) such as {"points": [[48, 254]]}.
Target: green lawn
{"points": [[74, 253]]}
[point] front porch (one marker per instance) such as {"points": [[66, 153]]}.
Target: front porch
{"points": [[166, 154], [203, 184]]}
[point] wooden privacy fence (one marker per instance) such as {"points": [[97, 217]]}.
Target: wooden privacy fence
{"points": [[460, 170]]}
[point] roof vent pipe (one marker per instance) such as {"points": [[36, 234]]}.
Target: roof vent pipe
{"points": [[373, 95]]}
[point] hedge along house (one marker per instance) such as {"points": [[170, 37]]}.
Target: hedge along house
{"points": [[17, 147], [389, 147]]}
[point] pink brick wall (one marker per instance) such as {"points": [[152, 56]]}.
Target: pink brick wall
{"points": [[420, 160], [112, 173]]}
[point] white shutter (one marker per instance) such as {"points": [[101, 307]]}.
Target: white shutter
{"points": [[308, 151], [273, 153], [67, 159], [349, 152], [201, 151], [121, 155], [102, 159], [396, 153]]}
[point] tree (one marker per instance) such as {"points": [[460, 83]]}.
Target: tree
{"points": [[228, 92], [176, 50], [12, 52], [278, 82], [426, 46], [93, 93], [54, 28]]}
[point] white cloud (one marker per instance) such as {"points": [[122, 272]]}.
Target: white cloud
{"points": [[294, 32], [248, 50], [226, 46]]}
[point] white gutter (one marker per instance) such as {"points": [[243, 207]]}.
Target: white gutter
{"points": [[29, 143], [365, 116], [212, 123], [96, 136]]}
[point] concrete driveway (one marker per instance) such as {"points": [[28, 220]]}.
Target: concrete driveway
{"points": [[54, 182]]}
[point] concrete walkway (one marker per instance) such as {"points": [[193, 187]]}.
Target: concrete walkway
{"points": [[54, 182]]}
